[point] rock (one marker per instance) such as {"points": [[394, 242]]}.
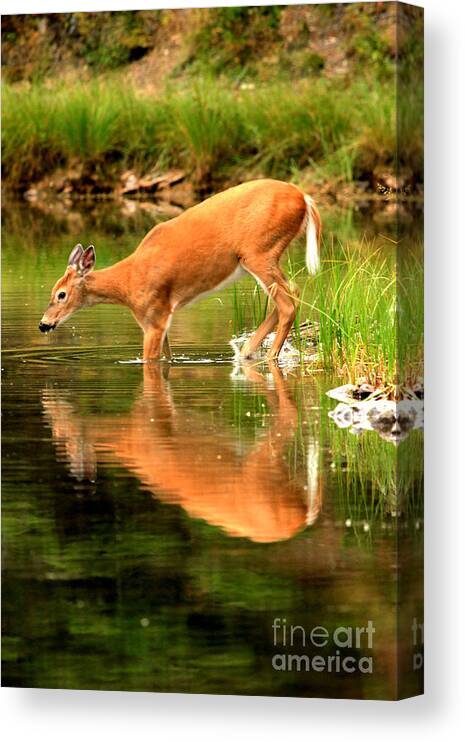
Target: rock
{"points": [[150, 183], [343, 393]]}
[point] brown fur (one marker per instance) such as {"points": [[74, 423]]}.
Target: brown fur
{"points": [[252, 495], [248, 226]]}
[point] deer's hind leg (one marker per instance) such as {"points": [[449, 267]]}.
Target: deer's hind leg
{"points": [[275, 284], [268, 324], [285, 304]]}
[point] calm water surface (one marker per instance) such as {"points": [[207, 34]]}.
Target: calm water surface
{"points": [[156, 521]]}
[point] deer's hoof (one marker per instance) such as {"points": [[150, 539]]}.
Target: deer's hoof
{"points": [[246, 352]]}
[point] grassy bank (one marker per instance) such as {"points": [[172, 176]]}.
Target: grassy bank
{"points": [[217, 132], [303, 93]]}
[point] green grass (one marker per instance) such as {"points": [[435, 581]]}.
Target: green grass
{"points": [[368, 302], [212, 129], [354, 300], [368, 308]]}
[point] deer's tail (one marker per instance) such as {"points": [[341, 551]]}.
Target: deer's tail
{"points": [[313, 230]]}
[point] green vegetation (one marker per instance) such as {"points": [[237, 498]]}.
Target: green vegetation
{"points": [[355, 301], [211, 129], [38, 46], [234, 38], [226, 94], [355, 307]]}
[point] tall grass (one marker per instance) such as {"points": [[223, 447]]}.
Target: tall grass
{"points": [[367, 303], [410, 312], [210, 128], [354, 301]]}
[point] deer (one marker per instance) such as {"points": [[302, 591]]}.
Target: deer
{"points": [[241, 231], [252, 495]]}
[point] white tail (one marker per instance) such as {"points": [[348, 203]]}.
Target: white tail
{"points": [[312, 257]]}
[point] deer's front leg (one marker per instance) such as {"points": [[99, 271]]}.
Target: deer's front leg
{"points": [[154, 339]]}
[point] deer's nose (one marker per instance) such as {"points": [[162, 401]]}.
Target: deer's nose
{"points": [[45, 327]]}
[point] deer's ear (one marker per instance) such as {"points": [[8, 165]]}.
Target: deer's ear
{"points": [[87, 260], [75, 255]]}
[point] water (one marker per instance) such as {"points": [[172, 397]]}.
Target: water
{"points": [[157, 521]]}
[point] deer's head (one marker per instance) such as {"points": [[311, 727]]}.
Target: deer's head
{"points": [[69, 292]]}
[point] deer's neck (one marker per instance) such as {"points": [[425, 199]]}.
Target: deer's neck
{"points": [[109, 285]]}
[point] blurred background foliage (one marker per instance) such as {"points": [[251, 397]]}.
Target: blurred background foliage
{"points": [[332, 37]]}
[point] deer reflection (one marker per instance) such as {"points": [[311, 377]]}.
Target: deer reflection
{"points": [[186, 462]]}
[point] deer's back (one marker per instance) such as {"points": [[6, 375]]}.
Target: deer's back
{"points": [[252, 215]]}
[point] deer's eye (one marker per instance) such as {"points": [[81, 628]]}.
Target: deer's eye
{"points": [[61, 296]]}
